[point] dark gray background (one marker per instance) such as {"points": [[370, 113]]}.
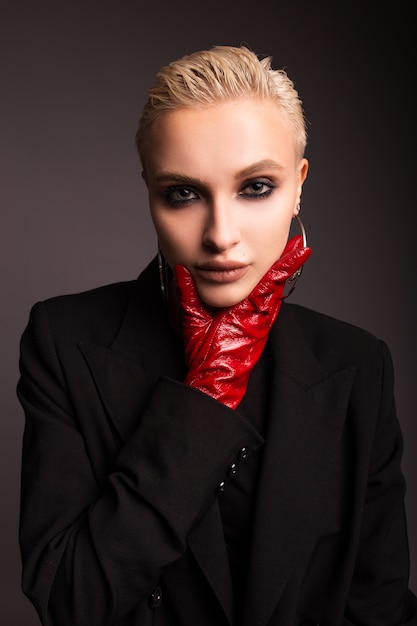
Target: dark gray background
{"points": [[73, 206]]}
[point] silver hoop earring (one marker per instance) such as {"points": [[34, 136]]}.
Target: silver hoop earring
{"points": [[163, 275], [292, 280], [303, 230]]}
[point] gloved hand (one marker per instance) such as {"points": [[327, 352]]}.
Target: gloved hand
{"points": [[222, 347]]}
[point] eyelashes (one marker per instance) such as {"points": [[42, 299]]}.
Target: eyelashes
{"points": [[179, 195], [259, 188], [183, 195]]}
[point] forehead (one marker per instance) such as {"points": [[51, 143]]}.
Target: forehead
{"points": [[231, 133]]}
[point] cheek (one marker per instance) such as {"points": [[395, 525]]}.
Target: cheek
{"points": [[269, 242], [176, 239]]}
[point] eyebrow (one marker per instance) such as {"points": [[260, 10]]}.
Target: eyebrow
{"points": [[265, 164], [254, 168], [177, 177]]}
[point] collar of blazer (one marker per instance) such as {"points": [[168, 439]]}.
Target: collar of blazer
{"points": [[308, 407], [307, 412]]}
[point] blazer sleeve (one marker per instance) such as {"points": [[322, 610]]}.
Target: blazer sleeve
{"points": [[90, 553], [380, 580]]}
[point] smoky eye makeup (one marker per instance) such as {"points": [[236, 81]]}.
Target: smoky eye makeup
{"points": [[257, 188], [183, 193], [179, 195]]}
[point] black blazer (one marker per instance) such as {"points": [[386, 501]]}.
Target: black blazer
{"points": [[120, 522]]}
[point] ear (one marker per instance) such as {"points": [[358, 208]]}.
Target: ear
{"points": [[302, 170]]}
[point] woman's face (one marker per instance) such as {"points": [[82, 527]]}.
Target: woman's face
{"points": [[224, 183]]}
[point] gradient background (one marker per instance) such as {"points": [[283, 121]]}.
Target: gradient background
{"points": [[74, 210]]}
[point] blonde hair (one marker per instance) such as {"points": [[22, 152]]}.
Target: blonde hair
{"points": [[208, 77]]}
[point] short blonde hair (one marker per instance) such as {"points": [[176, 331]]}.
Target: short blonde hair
{"points": [[208, 77]]}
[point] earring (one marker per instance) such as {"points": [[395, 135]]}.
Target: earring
{"points": [[163, 275], [292, 280], [301, 225]]}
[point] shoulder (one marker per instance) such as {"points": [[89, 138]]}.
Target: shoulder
{"points": [[95, 314], [314, 321], [333, 340]]}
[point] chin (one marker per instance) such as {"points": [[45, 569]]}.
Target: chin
{"points": [[220, 304], [222, 298]]}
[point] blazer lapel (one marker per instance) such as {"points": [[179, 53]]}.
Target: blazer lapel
{"points": [[124, 374], [308, 407], [144, 349]]}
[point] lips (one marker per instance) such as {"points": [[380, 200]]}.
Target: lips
{"points": [[221, 272]]}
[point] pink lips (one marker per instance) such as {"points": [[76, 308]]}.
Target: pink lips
{"points": [[221, 272]]}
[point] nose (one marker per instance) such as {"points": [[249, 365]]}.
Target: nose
{"points": [[221, 230]]}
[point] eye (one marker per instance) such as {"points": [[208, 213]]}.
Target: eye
{"points": [[259, 188], [179, 195]]}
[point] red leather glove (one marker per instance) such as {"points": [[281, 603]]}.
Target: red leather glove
{"points": [[222, 347]]}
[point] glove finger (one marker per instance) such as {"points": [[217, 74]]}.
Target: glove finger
{"points": [[292, 244], [186, 286], [271, 286], [189, 299], [288, 264]]}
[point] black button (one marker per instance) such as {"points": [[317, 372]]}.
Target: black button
{"points": [[155, 598], [243, 455], [221, 487], [232, 470]]}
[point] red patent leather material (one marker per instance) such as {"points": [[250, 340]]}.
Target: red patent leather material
{"points": [[222, 347]]}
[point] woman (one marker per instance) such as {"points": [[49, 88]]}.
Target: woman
{"points": [[197, 451]]}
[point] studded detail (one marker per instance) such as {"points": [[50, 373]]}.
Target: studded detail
{"points": [[221, 487], [243, 455], [155, 598], [232, 470]]}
